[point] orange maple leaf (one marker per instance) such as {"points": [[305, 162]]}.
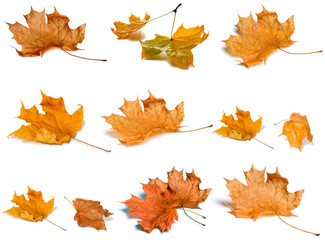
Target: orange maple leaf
{"points": [[258, 40], [42, 36], [35, 209], [90, 213], [138, 124], [296, 129], [158, 209], [178, 47], [56, 126], [243, 128], [122, 30], [260, 198]]}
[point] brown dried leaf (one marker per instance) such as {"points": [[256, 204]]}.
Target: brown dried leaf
{"points": [[90, 213]]}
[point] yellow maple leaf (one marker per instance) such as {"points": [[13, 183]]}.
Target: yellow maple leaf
{"points": [[35, 209], [122, 30], [56, 126], [241, 129]]}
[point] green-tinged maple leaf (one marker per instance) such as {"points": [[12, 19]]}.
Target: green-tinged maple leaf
{"points": [[178, 47]]}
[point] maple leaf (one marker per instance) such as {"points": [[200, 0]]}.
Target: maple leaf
{"points": [[258, 40], [35, 209], [296, 129], [187, 191], [159, 208], [260, 197], [90, 213], [138, 124], [178, 47], [243, 128], [56, 126], [42, 36], [122, 30]]}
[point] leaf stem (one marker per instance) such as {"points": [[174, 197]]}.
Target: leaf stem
{"points": [[193, 130], [55, 224], [68, 201], [192, 218], [316, 234], [93, 59], [165, 13], [300, 53], [281, 121], [196, 213], [175, 11], [263, 143], [91, 145]]}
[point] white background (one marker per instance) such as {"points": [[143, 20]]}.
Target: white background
{"points": [[217, 83]]}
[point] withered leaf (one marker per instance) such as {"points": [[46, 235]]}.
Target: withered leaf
{"points": [[43, 35], [260, 197], [241, 129], [56, 126], [35, 209], [90, 213], [158, 209], [178, 47], [122, 30], [138, 124], [296, 129], [258, 40]]}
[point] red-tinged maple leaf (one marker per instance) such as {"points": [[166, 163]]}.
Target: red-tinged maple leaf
{"points": [[158, 209]]}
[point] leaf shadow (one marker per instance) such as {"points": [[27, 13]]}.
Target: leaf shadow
{"points": [[108, 219], [136, 36]]}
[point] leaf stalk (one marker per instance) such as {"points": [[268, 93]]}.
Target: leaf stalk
{"points": [[91, 145], [263, 143], [191, 217], [316, 234], [55, 224], [193, 130], [93, 59], [300, 53]]}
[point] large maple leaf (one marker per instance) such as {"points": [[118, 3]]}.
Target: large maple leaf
{"points": [[56, 126], [260, 197], [159, 208], [42, 36], [138, 124], [35, 209], [241, 129], [122, 30], [296, 129], [90, 213], [258, 40], [178, 47]]}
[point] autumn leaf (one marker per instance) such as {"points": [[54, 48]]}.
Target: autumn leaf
{"points": [[178, 47], [35, 209], [159, 208], [262, 198], [44, 34], [241, 129], [56, 126], [138, 124], [90, 213], [258, 40], [122, 30], [187, 191], [296, 129]]}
